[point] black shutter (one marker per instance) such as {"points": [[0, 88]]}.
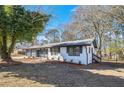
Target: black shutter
{"points": [[59, 49], [67, 49], [80, 49], [89, 49]]}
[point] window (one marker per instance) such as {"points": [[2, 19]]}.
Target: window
{"points": [[43, 51], [55, 50], [74, 50], [70, 52], [31, 52]]}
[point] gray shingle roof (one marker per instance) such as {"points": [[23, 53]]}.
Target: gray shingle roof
{"points": [[85, 42]]}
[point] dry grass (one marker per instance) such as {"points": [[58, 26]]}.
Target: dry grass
{"points": [[39, 73]]}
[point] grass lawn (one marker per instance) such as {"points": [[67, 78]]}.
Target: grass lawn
{"points": [[39, 73]]}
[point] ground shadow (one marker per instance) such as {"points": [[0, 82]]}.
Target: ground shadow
{"points": [[63, 75], [106, 66], [114, 64]]}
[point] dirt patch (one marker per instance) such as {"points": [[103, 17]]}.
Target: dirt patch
{"points": [[12, 63], [42, 73]]}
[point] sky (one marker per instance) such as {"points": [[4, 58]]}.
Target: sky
{"points": [[61, 14]]}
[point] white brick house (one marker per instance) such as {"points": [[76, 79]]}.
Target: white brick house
{"points": [[79, 51]]}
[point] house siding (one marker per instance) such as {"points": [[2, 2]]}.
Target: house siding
{"points": [[84, 58], [63, 56]]}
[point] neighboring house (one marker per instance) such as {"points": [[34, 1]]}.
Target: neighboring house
{"points": [[79, 51]]}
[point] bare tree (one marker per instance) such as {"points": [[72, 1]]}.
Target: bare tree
{"points": [[95, 20], [53, 36]]}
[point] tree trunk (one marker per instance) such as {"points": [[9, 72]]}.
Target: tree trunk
{"points": [[100, 47], [5, 56], [110, 54], [33, 41], [13, 41], [4, 53]]}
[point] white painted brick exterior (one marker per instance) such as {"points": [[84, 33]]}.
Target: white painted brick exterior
{"points": [[63, 55]]}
